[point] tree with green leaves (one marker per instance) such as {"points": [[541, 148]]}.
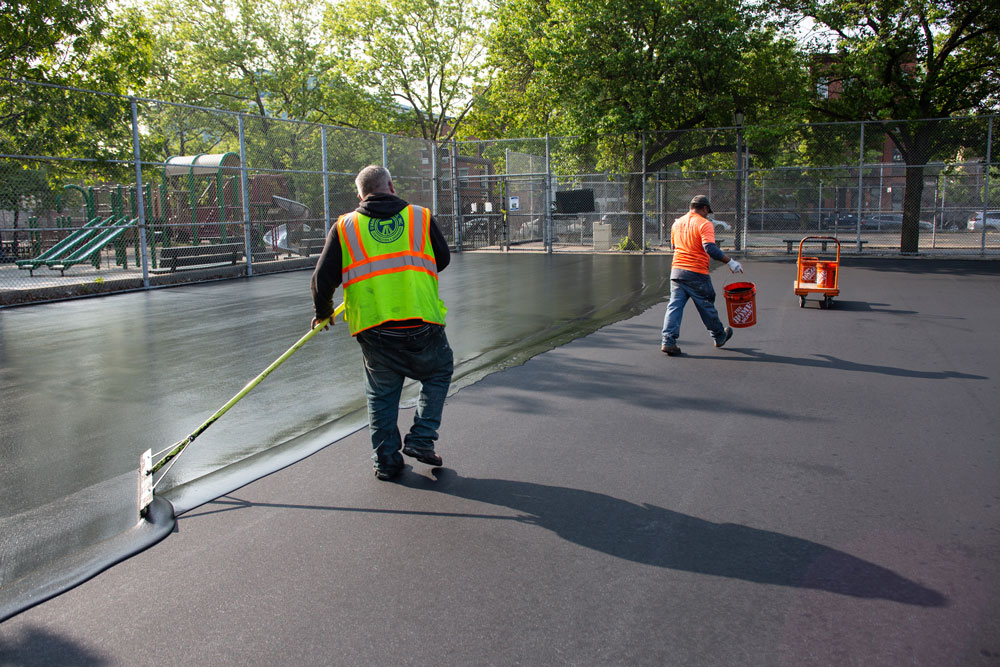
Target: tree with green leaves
{"points": [[31, 32], [905, 61], [88, 44], [267, 58], [636, 73], [424, 57]]}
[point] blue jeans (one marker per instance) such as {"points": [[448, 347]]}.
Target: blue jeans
{"points": [[698, 288], [391, 357]]}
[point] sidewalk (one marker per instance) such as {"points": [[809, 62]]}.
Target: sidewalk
{"points": [[820, 491]]}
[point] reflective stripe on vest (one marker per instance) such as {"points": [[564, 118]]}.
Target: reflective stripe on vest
{"points": [[361, 266], [349, 225]]}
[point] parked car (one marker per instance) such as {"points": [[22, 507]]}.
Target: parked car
{"points": [[845, 221], [992, 221], [774, 219], [816, 220], [889, 221], [831, 220]]}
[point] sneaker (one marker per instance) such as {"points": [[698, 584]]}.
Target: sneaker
{"points": [[386, 473], [424, 455], [729, 334], [670, 350]]}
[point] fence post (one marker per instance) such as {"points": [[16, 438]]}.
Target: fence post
{"points": [[763, 199], [455, 200], [326, 183], [643, 207], [435, 178], [986, 184], [944, 196], [140, 202], [547, 236], [861, 172], [737, 222], [385, 152], [745, 166], [244, 186], [505, 206]]}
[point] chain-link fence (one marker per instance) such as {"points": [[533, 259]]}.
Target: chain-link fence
{"points": [[223, 193], [769, 187]]}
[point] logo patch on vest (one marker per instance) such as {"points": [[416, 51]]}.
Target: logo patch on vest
{"points": [[387, 231]]}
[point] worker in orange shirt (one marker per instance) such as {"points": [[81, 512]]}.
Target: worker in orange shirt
{"points": [[693, 239]]}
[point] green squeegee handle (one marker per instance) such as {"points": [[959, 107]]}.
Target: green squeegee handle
{"points": [[179, 447]]}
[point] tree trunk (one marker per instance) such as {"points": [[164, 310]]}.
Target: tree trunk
{"points": [[909, 239], [916, 158], [634, 203]]}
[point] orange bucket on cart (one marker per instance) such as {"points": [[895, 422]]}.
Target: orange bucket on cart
{"points": [[807, 269], [826, 274], [741, 303]]}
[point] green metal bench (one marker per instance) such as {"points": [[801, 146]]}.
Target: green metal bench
{"points": [[199, 256]]}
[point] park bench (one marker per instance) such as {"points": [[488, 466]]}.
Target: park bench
{"points": [[309, 247], [789, 242], [199, 256]]}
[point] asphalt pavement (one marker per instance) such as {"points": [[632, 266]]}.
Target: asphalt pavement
{"points": [[823, 490]]}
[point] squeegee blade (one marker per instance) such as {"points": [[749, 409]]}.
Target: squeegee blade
{"points": [[145, 480]]}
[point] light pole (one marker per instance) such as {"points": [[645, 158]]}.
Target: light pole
{"points": [[738, 117]]}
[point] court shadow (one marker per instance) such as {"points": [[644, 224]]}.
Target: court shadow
{"points": [[829, 362], [866, 307], [659, 537], [38, 646]]}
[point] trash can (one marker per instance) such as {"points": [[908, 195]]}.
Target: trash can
{"points": [[602, 236]]}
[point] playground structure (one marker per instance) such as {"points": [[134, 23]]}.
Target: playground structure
{"points": [[189, 201]]}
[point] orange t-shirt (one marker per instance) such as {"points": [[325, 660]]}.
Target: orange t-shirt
{"points": [[688, 236]]}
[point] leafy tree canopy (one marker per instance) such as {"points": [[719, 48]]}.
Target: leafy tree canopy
{"points": [[426, 57], [904, 61], [264, 57], [612, 68]]}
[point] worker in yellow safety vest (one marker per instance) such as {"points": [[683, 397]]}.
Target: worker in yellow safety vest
{"points": [[387, 255]]}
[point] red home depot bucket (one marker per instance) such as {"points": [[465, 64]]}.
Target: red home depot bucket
{"points": [[826, 274], [741, 304], [807, 269]]}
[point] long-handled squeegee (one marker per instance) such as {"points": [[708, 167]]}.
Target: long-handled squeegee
{"points": [[147, 469]]}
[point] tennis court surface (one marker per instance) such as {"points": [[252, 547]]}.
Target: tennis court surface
{"points": [[822, 490]]}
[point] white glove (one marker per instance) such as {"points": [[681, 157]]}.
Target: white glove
{"points": [[735, 266]]}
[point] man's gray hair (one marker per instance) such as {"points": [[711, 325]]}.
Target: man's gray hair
{"points": [[372, 179]]}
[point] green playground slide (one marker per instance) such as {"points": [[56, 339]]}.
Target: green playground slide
{"points": [[89, 251], [66, 246]]}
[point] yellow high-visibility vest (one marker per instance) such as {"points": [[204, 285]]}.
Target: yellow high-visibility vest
{"points": [[388, 269]]}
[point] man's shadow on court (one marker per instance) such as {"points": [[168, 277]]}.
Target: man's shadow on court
{"points": [[655, 536]]}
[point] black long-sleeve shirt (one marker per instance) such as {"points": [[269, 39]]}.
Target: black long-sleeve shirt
{"points": [[327, 275]]}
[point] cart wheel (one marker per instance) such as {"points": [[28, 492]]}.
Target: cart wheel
{"points": [[823, 304], [802, 301], [829, 302]]}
